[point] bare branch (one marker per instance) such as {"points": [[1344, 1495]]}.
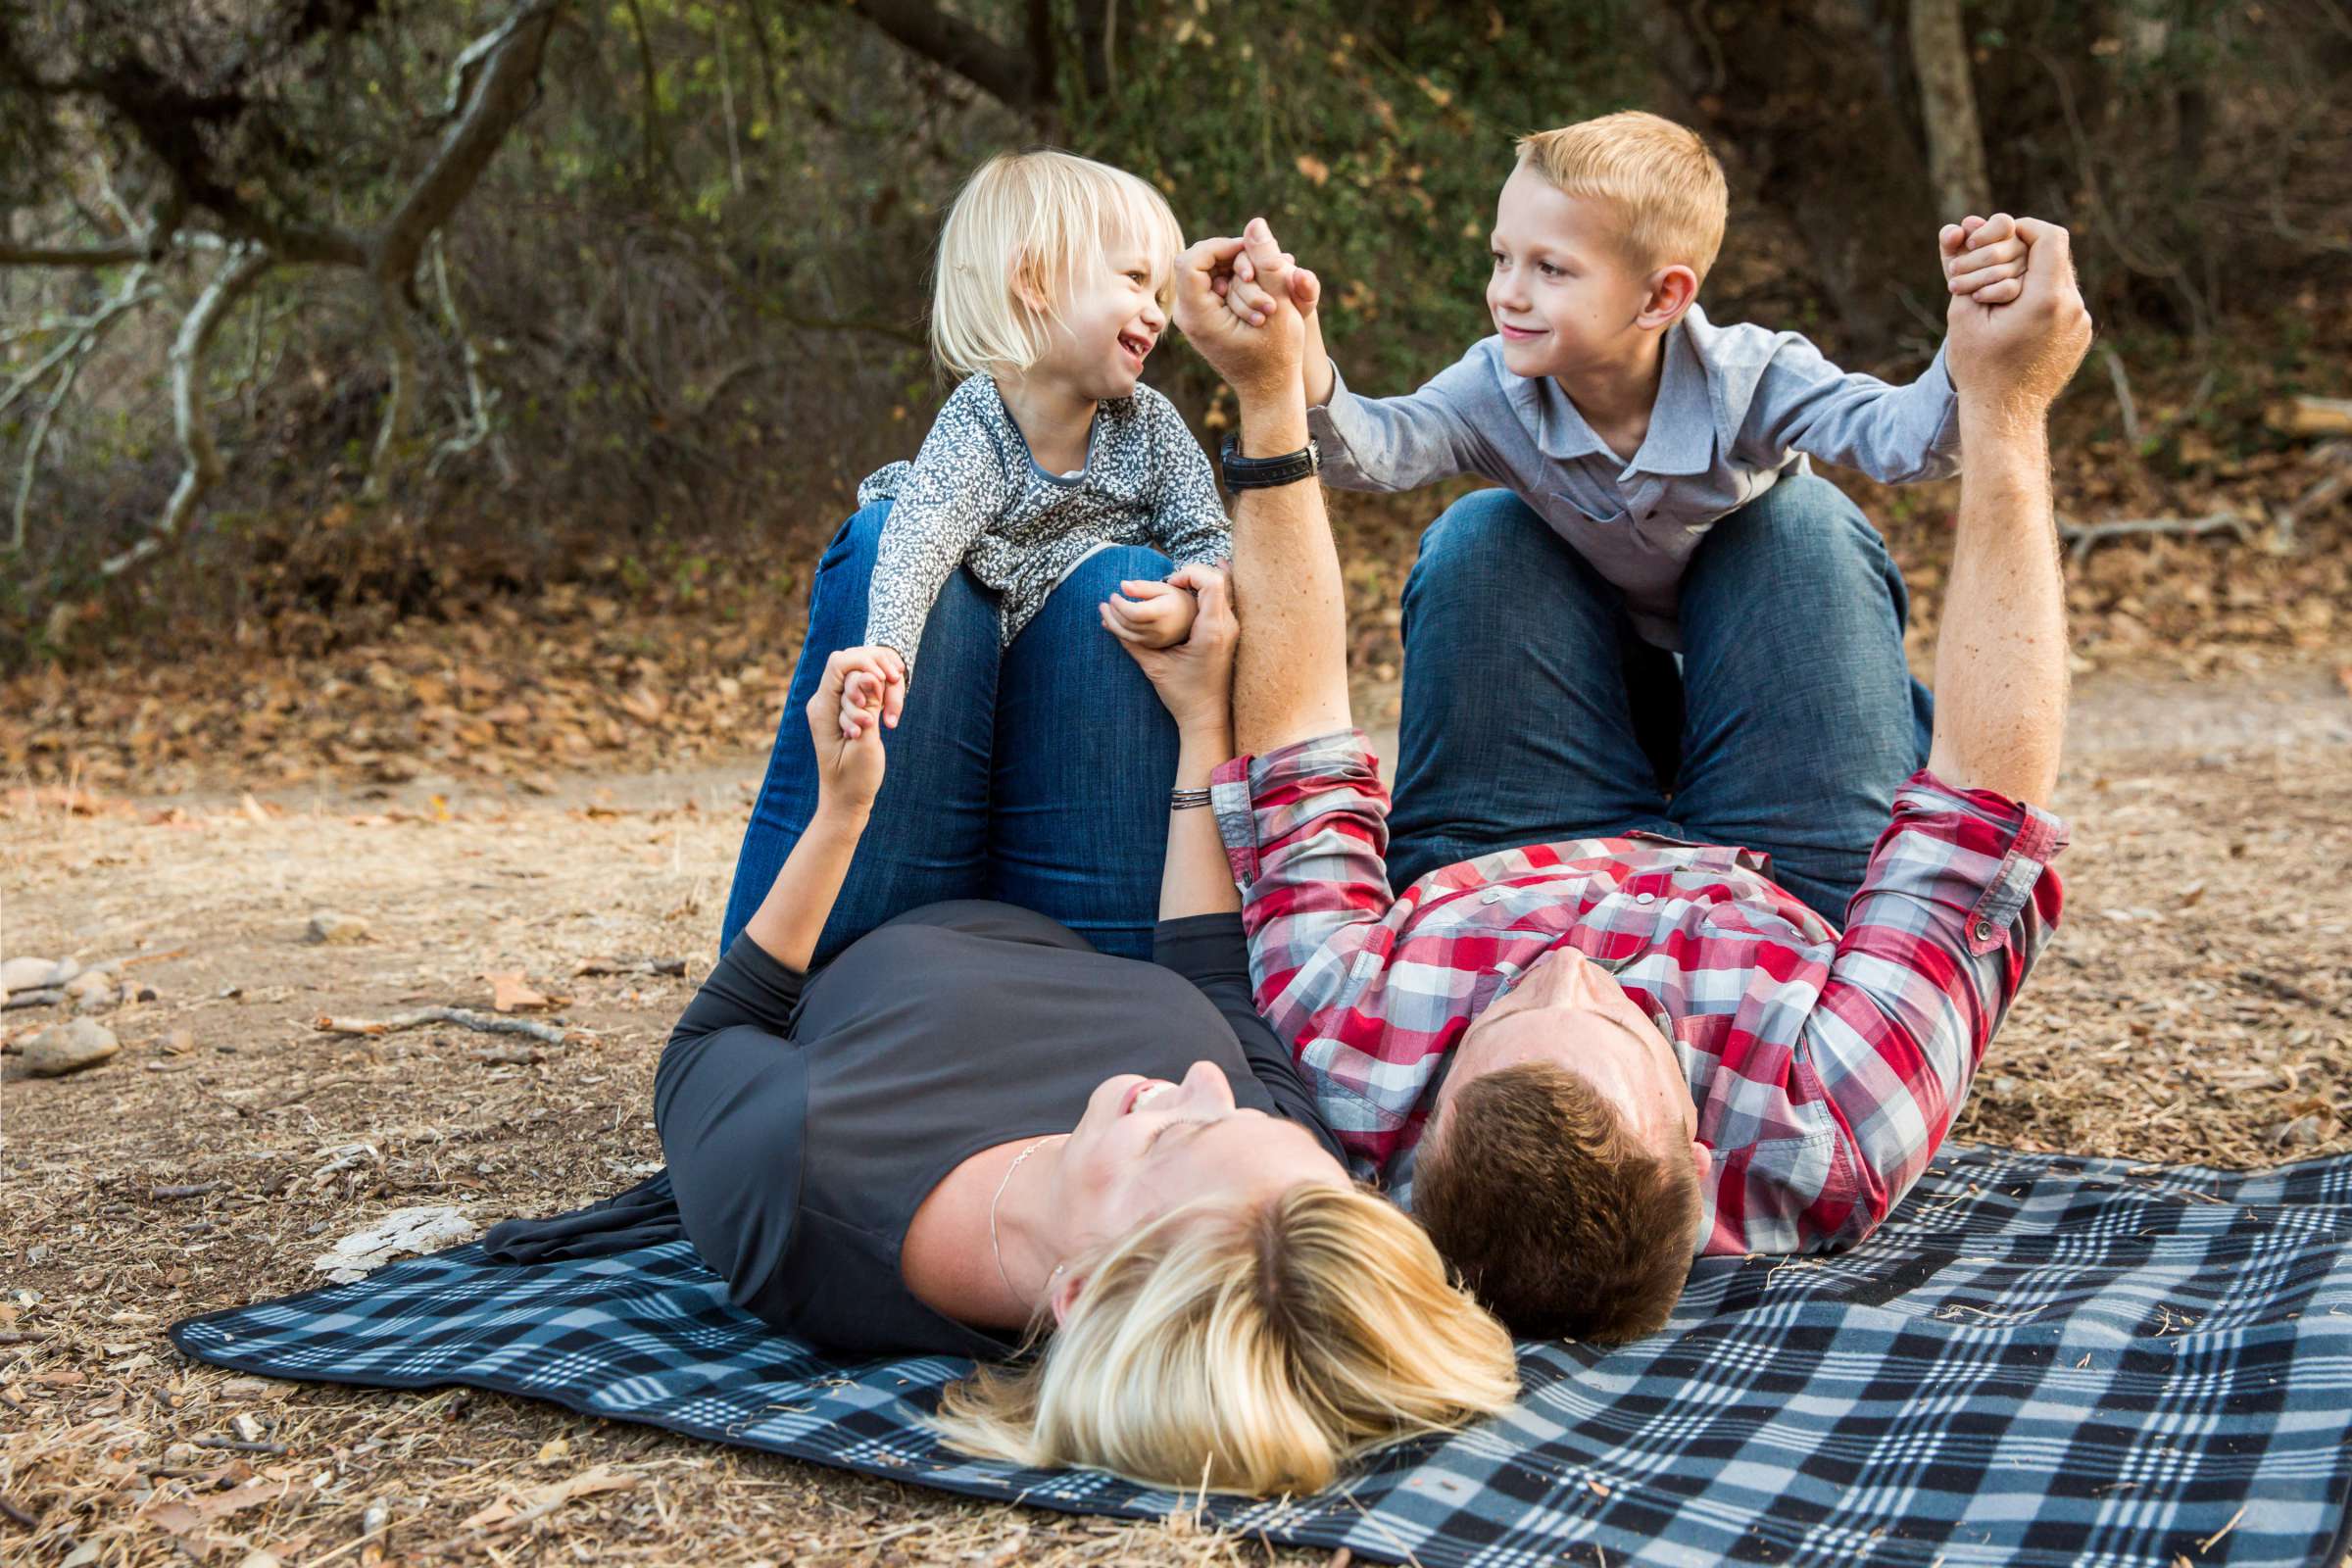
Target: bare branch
{"points": [[462, 1017], [133, 249], [2083, 537], [1004, 73], [501, 94], [503, 78], [243, 269], [478, 429], [392, 304], [75, 352]]}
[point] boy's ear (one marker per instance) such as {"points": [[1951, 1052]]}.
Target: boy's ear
{"points": [[1671, 291]]}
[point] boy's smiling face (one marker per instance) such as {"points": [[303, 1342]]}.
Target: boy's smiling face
{"points": [[1564, 294]]}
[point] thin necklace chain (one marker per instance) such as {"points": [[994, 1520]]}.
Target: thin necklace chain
{"points": [[995, 1250]]}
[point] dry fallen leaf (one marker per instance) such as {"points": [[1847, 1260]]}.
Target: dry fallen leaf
{"points": [[517, 1507], [510, 992]]}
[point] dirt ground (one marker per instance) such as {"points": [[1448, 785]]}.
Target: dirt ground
{"points": [[2196, 1007]]}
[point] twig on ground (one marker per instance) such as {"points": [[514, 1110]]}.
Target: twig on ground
{"points": [[464, 1017], [2082, 537], [633, 964], [2206, 1545], [30, 1523], [308, 1091], [237, 1446], [2287, 519], [194, 1190]]}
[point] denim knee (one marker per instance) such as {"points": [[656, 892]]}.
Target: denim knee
{"points": [[1804, 541], [860, 533], [1472, 539], [1113, 564]]}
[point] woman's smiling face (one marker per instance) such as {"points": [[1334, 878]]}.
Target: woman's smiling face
{"points": [[1146, 1145]]}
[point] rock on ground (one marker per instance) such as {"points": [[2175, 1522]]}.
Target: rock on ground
{"points": [[67, 1047], [37, 974], [331, 925]]}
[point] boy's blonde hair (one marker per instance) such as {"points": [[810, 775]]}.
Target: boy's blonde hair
{"points": [[1034, 220], [1659, 176], [1246, 1348]]}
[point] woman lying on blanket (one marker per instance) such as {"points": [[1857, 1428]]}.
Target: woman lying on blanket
{"points": [[914, 1149]]}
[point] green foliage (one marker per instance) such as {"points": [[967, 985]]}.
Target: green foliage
{"points": [[1374, 137]]}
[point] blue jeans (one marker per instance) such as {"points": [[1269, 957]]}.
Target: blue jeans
{"points": [[1532, 714], [1037, 774]]}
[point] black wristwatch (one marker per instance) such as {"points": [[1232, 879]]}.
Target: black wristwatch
{"points": [[1264, 473]]}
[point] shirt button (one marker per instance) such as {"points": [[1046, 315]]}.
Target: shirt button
{"points": [[1645, 898], [1984, 931], [1490, 896]]}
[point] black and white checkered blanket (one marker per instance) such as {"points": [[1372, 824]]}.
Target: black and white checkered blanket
{"points": [[2038, 1361]]}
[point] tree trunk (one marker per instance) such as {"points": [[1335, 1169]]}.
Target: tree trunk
{"points": [[1948, 109]]}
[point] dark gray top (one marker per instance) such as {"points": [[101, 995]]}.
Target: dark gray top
{"points": [[806, 1118]]}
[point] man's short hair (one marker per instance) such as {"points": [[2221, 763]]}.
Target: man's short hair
{"points": [[1668, 190], [1557, 1218]]}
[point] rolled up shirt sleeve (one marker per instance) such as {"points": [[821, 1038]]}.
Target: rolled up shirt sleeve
{"points": [[1959, 901], [1306, 832]]}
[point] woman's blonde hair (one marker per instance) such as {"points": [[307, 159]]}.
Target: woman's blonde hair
{"points": [[1032, 221], [1256, 1349]]}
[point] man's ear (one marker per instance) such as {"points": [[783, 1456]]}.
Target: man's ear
{"points": [[1067, 1287], [1671, 291]]}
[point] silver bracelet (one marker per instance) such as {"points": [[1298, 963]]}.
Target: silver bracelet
{"points": [[1184, 800]]}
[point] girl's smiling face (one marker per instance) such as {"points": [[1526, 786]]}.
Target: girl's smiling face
{"points": [[1110, 319]]}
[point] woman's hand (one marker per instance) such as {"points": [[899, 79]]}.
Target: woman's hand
{"points": [[1193, 677], [845, 723]]}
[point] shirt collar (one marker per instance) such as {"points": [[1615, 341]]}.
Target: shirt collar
{"points": [[1681, 425], [1560, 433]]}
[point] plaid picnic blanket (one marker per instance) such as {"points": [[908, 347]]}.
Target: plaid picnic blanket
{"points": [[2036, 1360]]}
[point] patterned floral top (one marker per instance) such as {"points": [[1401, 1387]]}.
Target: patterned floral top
{"points": [[1826, 1066], [974, 497]]}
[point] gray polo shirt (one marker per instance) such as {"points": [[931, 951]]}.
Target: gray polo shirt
{"points": [[1738, 407]]}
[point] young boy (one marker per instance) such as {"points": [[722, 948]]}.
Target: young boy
{"points": [[1607, 399]]}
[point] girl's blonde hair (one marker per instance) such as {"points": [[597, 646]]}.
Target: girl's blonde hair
{"points": [[1252, 1348], [1033, 221]]}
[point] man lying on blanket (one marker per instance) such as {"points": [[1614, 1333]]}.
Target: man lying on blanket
{"points": [[1616, 1052]]}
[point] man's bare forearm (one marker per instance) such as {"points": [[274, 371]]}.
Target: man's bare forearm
{"points": [[2001, 653], [1290, 679]]}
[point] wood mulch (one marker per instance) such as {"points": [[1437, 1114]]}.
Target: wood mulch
{"points": [[2197, 1007]]}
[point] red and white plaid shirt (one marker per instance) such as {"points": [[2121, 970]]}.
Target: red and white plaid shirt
{"points": [[1826, 1067]]}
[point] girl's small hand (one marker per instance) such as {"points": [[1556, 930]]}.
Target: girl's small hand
{"points": [[1193, 677], [864, 693], [1151, 615], [848, 736]]}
